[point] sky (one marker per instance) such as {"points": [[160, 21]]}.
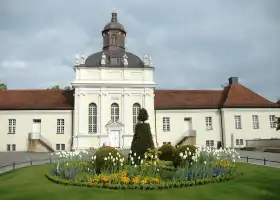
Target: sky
{"points": [[194, 44]]}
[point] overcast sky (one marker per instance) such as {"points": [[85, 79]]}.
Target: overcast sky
{"points": [[194, 44]]}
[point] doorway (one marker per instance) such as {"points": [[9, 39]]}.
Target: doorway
{"points": [[115, 138], [188, 123], [36, 126]]}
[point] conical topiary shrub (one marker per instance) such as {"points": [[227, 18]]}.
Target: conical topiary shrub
{"points": [[142, 138]]}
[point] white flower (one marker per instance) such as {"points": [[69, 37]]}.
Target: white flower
{"points": [[145, 157], [157, 169], [152, 156], [94, 157], [130, 151], [142, 162], [110, 153], [139, 158], [121, 164], [135, 166], [205, 162], [233, 160], [105, 158], [156, 156], [134, 154], [181, 154]]}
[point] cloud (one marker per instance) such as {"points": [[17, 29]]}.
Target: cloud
{"points": [[12, 64], [200, 44]]}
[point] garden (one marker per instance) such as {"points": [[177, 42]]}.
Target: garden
{"points": [[145, 167]]}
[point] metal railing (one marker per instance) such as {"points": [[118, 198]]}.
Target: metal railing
{"points": [[50, 160]]}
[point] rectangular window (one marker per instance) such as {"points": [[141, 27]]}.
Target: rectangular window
{"points": [[166, 124], [237, 119], [60, 147], [12, 126], [11, 147], [239, 142], [210, 143], [60, 126], [208, 121], [272, 121], [256, 124]]}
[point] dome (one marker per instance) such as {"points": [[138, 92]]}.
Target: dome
{"points": [[94, 60], [114, 24]]}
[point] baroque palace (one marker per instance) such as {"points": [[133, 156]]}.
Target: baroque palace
{"points": [[110, 87]]}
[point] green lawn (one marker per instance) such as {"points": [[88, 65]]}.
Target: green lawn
{"points": [[258, 183]]}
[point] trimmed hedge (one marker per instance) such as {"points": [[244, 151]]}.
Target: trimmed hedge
{"points": [[103, 152], [167, 152], [142, 140], [160, 186]]}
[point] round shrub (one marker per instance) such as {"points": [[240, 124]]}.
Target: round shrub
{"points": [[103, 152], [181, 149], [167, 152]]}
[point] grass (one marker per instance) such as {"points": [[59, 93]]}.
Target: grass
{"points": [[258, 183]]}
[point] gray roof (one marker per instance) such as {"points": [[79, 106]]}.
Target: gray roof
{"points": [[94, 60]]}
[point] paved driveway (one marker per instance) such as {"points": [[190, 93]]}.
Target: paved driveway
{"points": [[8, 158], [261, 156]]}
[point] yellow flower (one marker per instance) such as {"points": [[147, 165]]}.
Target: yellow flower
{"points": [[136, 179], [124, 173], [125, 179], [105, 179], [145, 180], [155, 180]]}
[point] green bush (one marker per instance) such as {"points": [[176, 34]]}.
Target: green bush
{"points": [[103, 152], [177, 159], [142, 139], [167, 152], [143, 115]]}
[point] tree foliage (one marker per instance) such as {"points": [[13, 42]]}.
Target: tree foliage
{"points": [[57, 87], [143, 115], [3, 86]]}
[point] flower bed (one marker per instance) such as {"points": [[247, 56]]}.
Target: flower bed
{"points": [[195, 167]]}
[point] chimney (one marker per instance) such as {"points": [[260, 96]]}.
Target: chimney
{"points": [[233, 80]]}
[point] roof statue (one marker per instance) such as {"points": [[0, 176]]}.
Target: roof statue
{"points": [[103, 59], [82, 59], [146, 60], [77, 59], [125, 61], [151, 64]]}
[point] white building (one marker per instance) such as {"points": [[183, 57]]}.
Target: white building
{"points": [[109, 89]]}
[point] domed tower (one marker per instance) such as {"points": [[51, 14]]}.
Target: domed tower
{"points": [[113, 53], [114, 35]]}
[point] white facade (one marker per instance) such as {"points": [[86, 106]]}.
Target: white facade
{"points": [[222, 126], [106, 86], [18, 125]]}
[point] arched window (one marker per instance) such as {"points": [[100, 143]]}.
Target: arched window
{"points": [[92, 118], [135, 112], [115, 112]]}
